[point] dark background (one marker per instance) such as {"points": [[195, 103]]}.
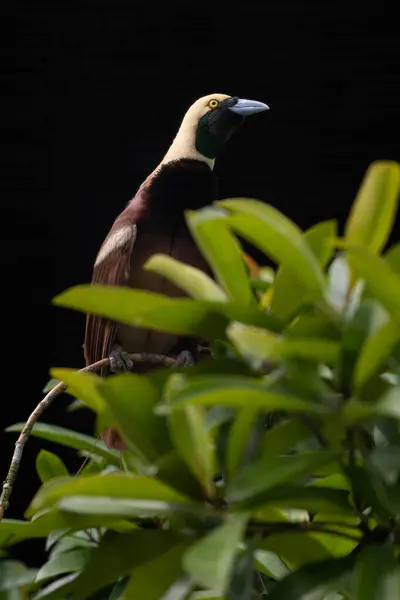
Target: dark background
{"points": [[93, 97]]}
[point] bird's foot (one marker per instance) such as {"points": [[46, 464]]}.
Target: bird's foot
{"points": [[184, 359], [120, 361]]}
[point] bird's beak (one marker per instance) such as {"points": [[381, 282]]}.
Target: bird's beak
{"points": [[245, 108]]}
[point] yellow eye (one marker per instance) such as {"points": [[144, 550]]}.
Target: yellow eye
{"points": [[213, 103]]}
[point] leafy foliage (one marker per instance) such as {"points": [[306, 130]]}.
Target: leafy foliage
{"points": [[270, 469]]}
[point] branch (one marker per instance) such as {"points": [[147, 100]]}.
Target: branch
{"points": [[157, 359]]}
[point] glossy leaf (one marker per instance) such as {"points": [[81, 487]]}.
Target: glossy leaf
{"points": [[50, 385], [312, 581], [266, 473], [49, 465], [72, 439], [380, 279], [295, 549], [194, 443], [222, 252], [66, 562], [269, 563], [343, 296], [377, 574], [191, 280], [289, 292], [375, 352], [260, 346], [119, 554], [58, 589], [115, 485], [278, 237], [235, 391], [181, 316], [131, 399], [210, 561], [82, 385], [373, 211], [152, 579]]}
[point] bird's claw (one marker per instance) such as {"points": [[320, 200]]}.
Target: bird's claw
{"points": [[120, 362], [184, 359]]}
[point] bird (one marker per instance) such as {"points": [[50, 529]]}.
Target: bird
{"points": [[153, 222]]}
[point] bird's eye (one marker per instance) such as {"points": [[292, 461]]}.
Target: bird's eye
{"points": [[213, 103]]}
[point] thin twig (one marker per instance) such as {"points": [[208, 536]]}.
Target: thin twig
{"points": [[158, 359]]}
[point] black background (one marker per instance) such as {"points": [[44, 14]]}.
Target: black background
{"points": [[93, 97]]}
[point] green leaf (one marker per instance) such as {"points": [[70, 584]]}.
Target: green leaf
{"points": [[118, 554], [72, 439], [294, 549], [59, 589], [115, 485], [377, 574], [131, 399], [387, 405], [238, 438], [126, 507], [181, 316], [313, 581], [284, 436], [14, 574], [191, 280], [150, 580], [50, 385], [66, 562], [270, 564], [289, 292], [172, 470], [373, 211], [210, 561], [82, 385], [375, 352], [260, 346], [49, 465], [380, 279], [277, 236], [222, 252], [241, 585], [194, 443], [235, 391], [392, 257], [269, 473]]}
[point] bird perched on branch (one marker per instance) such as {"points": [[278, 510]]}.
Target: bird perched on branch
{"points": [[153, 222]]}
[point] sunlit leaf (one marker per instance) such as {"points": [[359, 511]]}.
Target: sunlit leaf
{"points": [[277, 236], [181, 316], [261, 346], [210, 560], [235, 391], [49, 465], [375, 352], [289, 292], [191, 280], [222, 252], [374, 210]]}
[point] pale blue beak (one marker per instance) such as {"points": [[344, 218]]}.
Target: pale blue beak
{"points": [[245, 108]]}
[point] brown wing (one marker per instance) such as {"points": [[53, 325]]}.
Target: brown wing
{"points": [[112, 267]]}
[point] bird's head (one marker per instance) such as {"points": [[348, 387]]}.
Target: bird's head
{"points": [[208, 124]]}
